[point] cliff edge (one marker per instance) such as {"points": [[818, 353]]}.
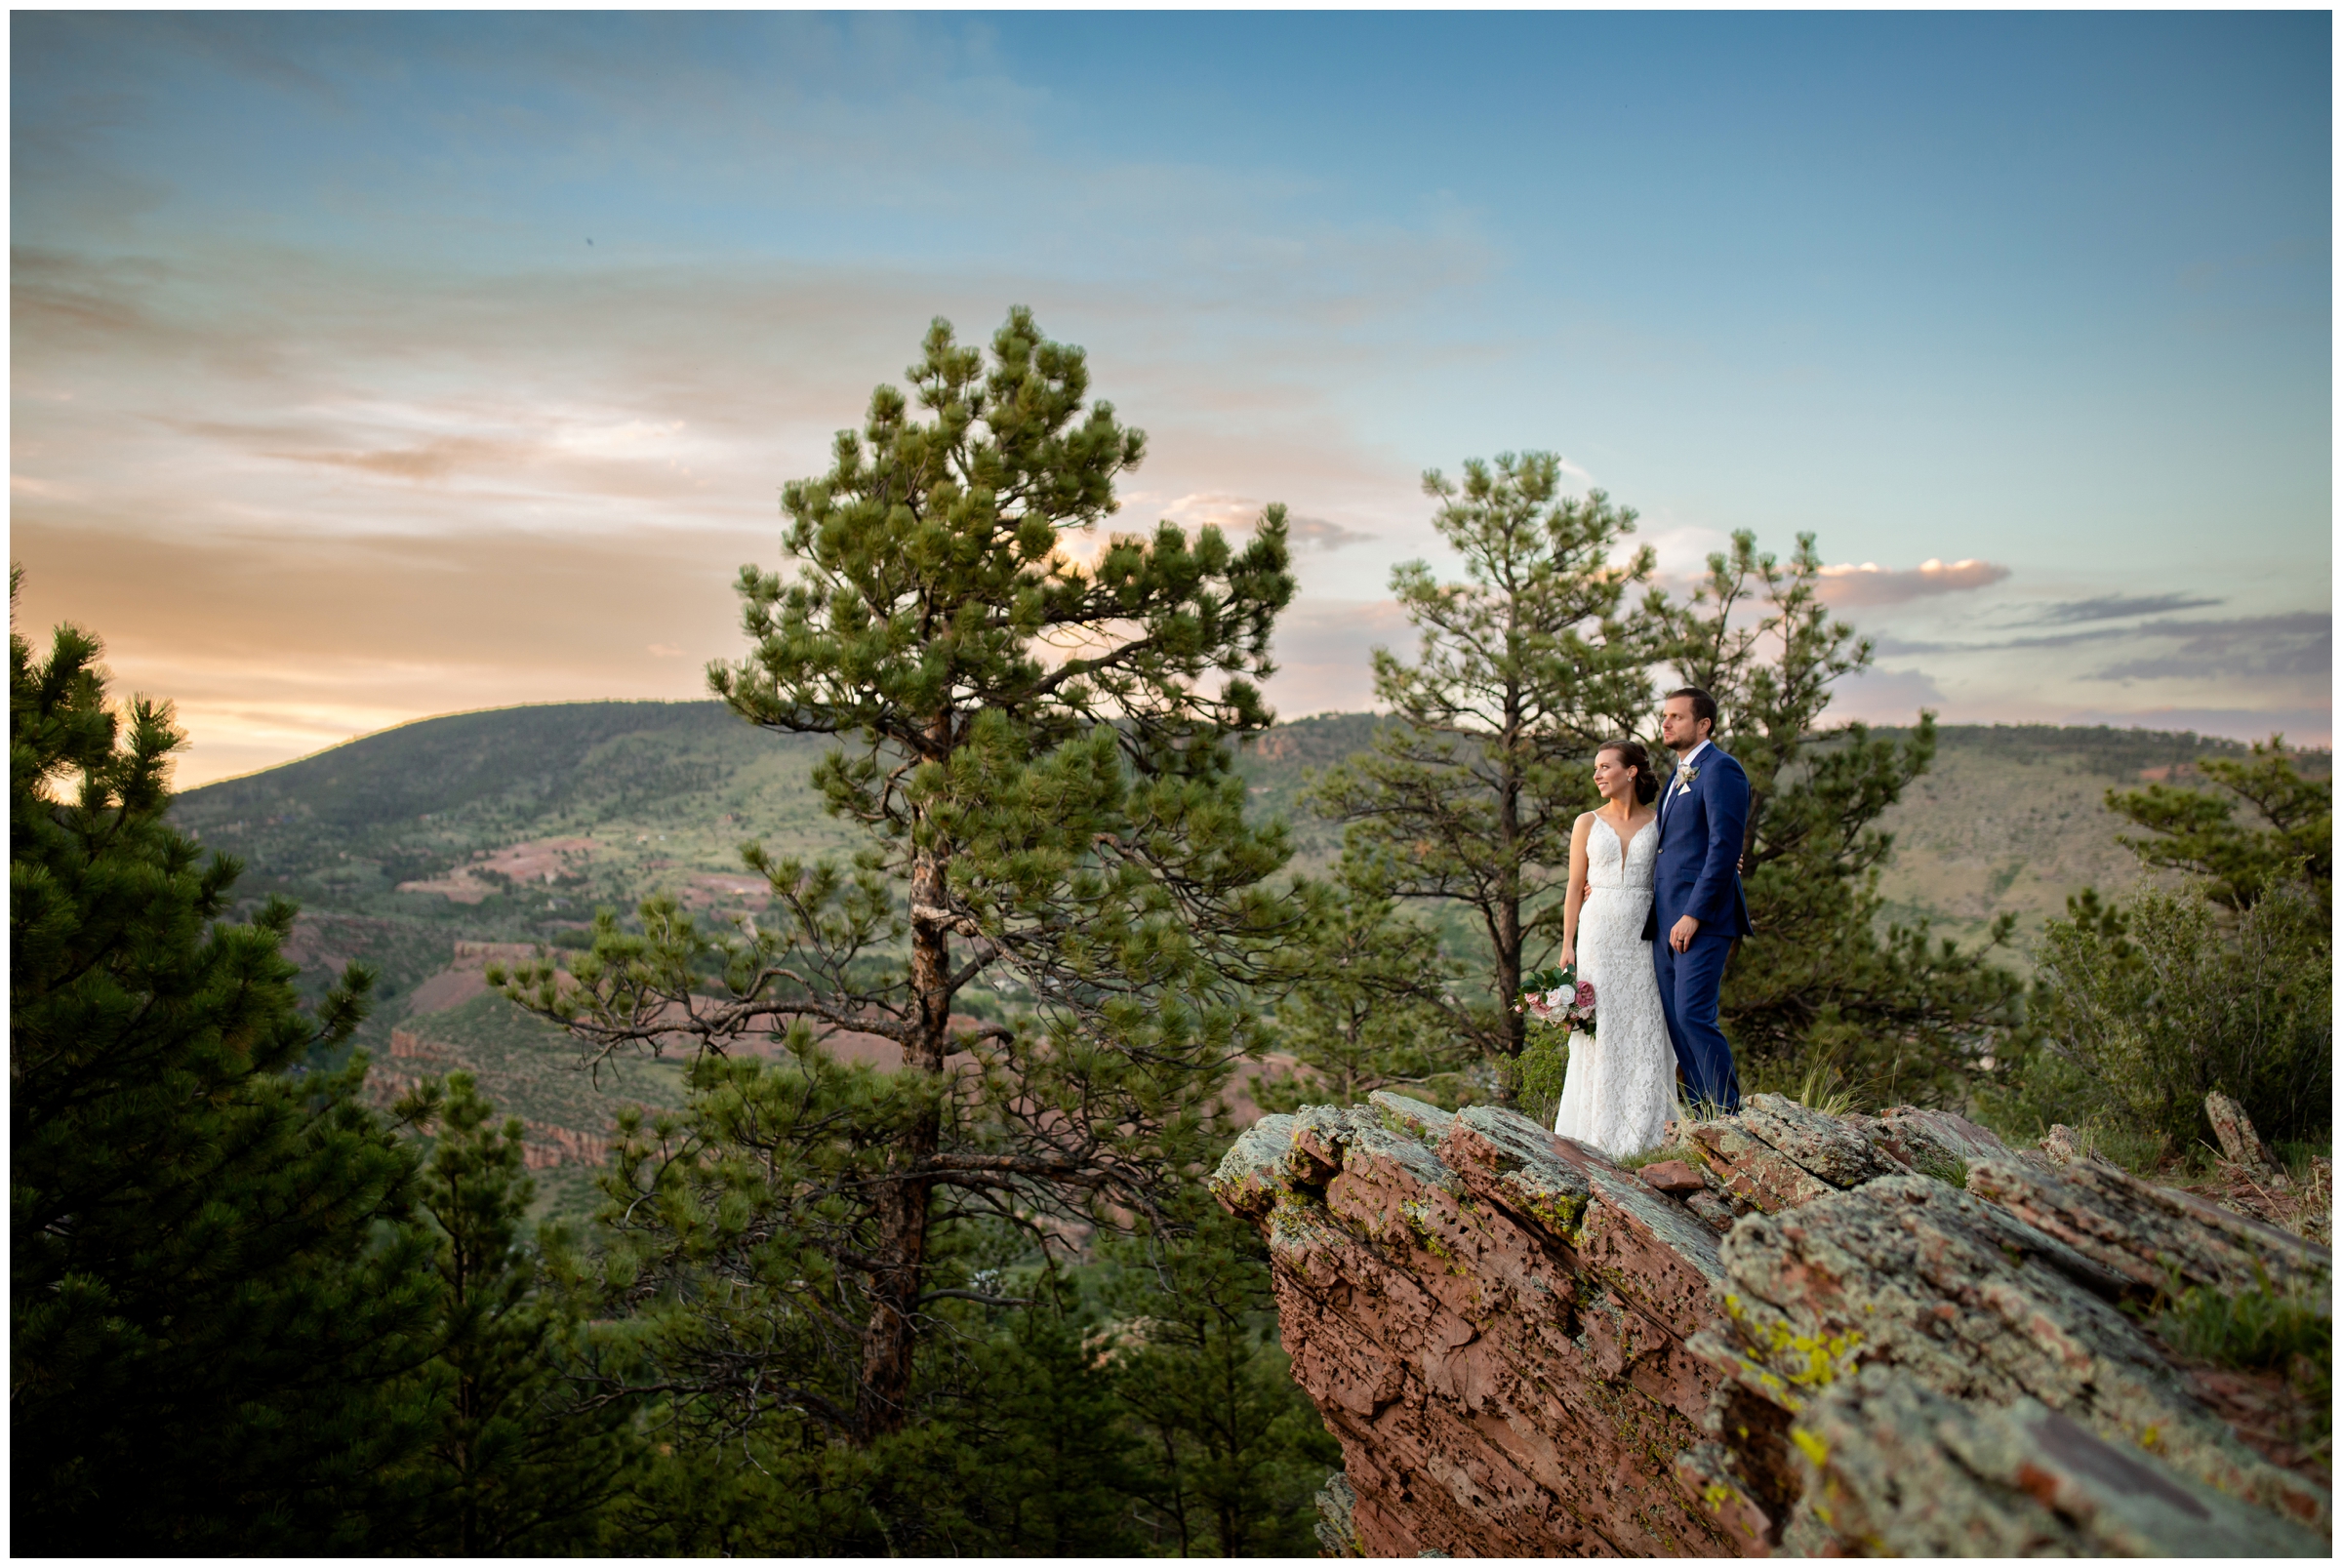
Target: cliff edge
{"points": [[1806, 1335]]}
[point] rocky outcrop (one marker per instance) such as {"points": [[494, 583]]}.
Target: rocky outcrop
{"points": [[1803, 1334]]}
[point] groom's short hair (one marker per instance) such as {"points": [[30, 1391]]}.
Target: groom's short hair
{"points": [[1703, 707]]}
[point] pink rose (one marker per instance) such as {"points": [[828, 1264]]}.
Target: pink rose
{"points": [[1586, 994]]}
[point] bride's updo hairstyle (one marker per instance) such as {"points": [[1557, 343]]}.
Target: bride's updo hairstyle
{"points": [[1633, 755]]}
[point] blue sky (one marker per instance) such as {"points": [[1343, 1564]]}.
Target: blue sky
{"points": [[327, 414]]}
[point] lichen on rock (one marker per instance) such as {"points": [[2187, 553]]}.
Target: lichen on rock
{"points": [[1525, 1349], [1893, 1468]]}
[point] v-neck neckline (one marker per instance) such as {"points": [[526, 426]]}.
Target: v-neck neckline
{"points": [[1628, 842]]}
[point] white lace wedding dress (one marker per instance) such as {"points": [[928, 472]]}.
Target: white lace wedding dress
{"points": [[1620, 1090]]}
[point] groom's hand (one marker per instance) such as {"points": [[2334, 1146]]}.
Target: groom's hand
{"points": [[1680, 936]]}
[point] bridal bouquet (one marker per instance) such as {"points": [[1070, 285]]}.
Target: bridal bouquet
{"points": [[1558, 996]]}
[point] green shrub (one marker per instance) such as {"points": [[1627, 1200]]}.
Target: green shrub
{"points": [[2139, 1152], [2145, 1009], [2296, 1156], [2261, 1330]]}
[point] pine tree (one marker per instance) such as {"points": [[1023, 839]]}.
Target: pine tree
{"points": [[1232, 1452], [519, 1463], [1523, 669], [214, 1295], [1040, 754], [1050, 1468], [1819, 989], [1363, 1011], [2197, 830]]}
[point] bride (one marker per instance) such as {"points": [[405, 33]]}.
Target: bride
{"points": [[1621, 1086]]}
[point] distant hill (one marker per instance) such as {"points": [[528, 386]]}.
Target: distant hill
{"points": [[2012, 818], [511, 826]]}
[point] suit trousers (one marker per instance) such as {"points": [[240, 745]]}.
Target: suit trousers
{"points": [[1690, 985]]}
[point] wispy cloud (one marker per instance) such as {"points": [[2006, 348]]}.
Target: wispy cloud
{"points": [[2211, 642], [2257, 648], [1323, 651], [1873, 583], [2238, 676], [1324, 533], [273, 648], [2300, 726], [1885, 696], [426, 460], [2112, 607]]}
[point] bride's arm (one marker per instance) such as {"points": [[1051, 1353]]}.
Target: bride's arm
{"points": [[1577, 888]]}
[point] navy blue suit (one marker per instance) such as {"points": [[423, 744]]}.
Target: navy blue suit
{"points": [[1701, 822]]}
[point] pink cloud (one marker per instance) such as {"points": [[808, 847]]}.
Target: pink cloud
{"points": [[1873, 583]]}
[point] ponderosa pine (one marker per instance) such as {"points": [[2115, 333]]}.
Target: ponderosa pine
{"points": [[523, 1455], [1522, 670], [216, 1305], [1899, 1014], [1033, 728]]}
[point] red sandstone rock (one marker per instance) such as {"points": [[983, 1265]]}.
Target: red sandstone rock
{"points": [[1758, 1176], [1493, 1331], [1526, 1351], [1672, 1177], [1913, 1473], [1919, 1136], [2150, 1234]]}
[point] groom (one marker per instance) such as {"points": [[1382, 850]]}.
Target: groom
{"points": [[1697, 911]]}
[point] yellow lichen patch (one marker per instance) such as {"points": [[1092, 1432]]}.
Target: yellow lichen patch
{"points": [[1812, 1447], [1418, 1220], [1805, 1361], [1720, 1497], [1558, 1212]]}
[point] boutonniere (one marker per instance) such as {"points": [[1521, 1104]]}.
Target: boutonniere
{"points": [[1684, 780]]}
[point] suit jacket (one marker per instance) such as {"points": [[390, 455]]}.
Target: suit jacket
{"points": [[1701, 826]]}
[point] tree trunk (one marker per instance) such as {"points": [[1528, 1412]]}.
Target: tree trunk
{"points": [[1507, 973], [891, 1336], [1508, 904], [881, 1403]]}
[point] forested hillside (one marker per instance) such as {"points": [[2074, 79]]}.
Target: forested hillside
{"points": [[621, 799], [410, 848]]}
